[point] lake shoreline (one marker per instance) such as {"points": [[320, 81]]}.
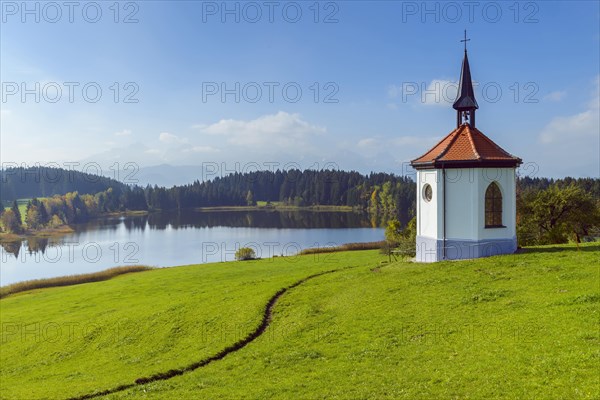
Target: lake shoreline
{"points": [[36, 234], [109, 273], [69, 280], [279, 207], [176, 238], [62, 230]]}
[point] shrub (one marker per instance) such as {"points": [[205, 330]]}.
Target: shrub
{"points": [[245, 253], [400, 241]]}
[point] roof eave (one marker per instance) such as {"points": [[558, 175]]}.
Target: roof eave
{"points": [[437, 164]]}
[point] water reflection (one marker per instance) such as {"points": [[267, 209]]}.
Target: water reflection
{"points": [[209, 219], [178, 238], [31, 245], [237, 219], [13, 248]]}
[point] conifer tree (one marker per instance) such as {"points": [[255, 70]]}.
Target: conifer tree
{"points": [[19, 218]]}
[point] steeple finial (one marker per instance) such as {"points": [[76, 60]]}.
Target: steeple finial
{"points": [[465, 103], [465, 40]]}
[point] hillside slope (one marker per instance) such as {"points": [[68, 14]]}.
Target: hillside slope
{"points": [[519, 326], [26, 183]]}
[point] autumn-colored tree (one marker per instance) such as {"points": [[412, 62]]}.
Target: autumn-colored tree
{"points": [[10, 222], [401, 239], [32, 217]]}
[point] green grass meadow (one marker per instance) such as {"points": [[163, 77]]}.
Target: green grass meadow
{"points": [[522, 326]]}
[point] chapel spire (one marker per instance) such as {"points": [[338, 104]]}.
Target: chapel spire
{"points": [[465, 103]]}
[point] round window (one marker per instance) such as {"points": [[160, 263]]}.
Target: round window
{"points": [[427, 192]]}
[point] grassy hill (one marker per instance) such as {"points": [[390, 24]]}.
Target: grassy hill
{"points": [[519, 326]]}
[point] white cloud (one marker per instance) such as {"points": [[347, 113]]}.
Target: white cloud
{"points": [[152, 151], [367, 142], [584, 124], [572, 141], [395, 149], [124, 132], [556, 95], [276, 130], [202, 149], [424, 142], [167, 137], [579, 126], [438, 92]]}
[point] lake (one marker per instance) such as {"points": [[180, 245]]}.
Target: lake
{"points": [[180, 238]]}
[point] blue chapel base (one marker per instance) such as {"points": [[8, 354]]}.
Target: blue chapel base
{"points": [[432, 250]]}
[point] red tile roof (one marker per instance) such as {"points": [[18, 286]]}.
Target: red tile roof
{"points": [[466, 147]]}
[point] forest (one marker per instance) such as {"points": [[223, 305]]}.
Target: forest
{"points": [[548, 210]]}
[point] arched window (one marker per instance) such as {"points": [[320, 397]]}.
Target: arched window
{"points": [[493, 206]]}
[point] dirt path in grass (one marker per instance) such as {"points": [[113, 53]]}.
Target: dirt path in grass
{"points": [[266, 321]]}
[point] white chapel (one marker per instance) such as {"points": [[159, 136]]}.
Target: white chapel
{"points": [[466, 184]]}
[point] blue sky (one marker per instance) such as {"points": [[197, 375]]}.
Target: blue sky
{"points": [[362, 69]]}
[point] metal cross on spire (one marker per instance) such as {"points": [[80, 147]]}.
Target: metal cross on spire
{"points": [[465, 40]]}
